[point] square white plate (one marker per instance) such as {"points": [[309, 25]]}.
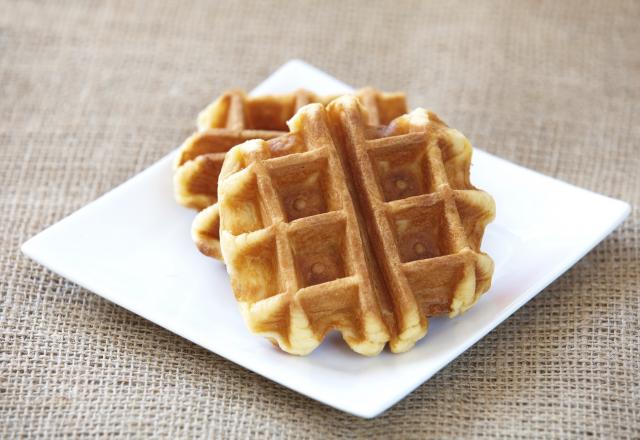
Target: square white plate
{"points": [[133, 247]]}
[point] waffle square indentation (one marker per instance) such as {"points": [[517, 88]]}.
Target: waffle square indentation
{"points": [[402, 171], [303, 189], [421, 232], [320, 254]]}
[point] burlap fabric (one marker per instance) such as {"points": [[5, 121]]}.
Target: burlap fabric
{"points": [[91, 93]]}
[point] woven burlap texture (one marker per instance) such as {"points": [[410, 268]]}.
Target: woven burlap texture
{"points": [[94, 92]]}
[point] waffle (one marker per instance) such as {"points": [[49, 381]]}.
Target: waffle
{"points": [[335, 226], [234, 118]]}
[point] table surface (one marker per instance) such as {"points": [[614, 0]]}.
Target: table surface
{"points": [[94, 92]]}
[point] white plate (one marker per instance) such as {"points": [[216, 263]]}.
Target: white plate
{"points": [[132, 246]]}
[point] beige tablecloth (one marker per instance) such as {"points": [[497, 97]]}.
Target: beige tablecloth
{"points": [[91, 93]]}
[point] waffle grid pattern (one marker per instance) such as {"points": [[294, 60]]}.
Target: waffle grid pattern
{"points": [[299, 212]]}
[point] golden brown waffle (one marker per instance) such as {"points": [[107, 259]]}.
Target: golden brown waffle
{"points": [[334, 226], [234, 118]]}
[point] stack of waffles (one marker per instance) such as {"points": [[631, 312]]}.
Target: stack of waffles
{"points": [[359, 218]]}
